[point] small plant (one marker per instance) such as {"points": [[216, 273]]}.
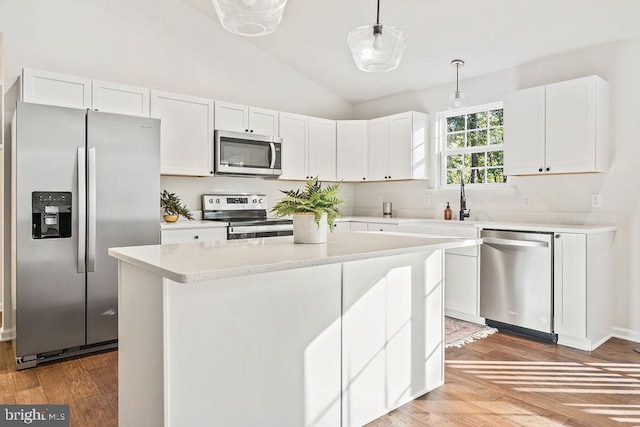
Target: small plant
{"points": [[313, 199], [170, 204]]}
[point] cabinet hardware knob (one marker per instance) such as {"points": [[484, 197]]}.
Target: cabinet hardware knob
{"points": [[548, 169], [196, 237], [251, 130], [246, 130], [540, 170], [363, 178], [557, 236]]}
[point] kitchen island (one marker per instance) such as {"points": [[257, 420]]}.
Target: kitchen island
{"points": [[268, 332]]}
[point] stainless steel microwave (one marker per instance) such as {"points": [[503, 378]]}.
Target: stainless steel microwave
{"points": [[238, 153]]}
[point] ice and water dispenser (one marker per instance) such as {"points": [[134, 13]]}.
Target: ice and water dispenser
{"points": [[51, 214]]}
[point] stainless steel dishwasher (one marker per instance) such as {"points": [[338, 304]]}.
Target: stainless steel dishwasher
{"points": [[516, 282]]}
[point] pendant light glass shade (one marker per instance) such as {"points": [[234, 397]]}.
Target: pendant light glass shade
{"points": [[250, 17], [376, 48], [456, 100]]}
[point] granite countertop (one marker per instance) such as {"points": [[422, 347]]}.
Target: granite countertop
{"points": [[194, 262]]}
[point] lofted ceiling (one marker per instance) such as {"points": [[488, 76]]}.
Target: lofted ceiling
{"points": [[489, 35]]}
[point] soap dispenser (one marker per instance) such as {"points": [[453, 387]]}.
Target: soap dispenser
{"points": [[447, 212]]}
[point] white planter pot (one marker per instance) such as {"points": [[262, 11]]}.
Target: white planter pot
{"points": [[305, 229]]}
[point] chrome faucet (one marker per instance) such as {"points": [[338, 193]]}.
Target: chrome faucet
{"points": [[464, 212]]}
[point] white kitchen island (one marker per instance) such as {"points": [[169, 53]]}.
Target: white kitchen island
{"points": [[266, 332]]}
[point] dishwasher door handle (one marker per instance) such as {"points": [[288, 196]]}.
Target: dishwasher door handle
{"points": [[510, 242]]}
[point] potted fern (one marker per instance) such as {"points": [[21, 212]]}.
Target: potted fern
{"points": [[314, 210], [172, 208]]}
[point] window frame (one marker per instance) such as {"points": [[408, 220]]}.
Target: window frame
{"points": [[442, 151]]}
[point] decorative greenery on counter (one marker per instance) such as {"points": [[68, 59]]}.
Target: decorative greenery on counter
{"points": [[313, 199], [170, 204]]}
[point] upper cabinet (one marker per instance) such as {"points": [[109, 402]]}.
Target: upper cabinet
{"points": [[557, 128], [308, 147], [243, 118], [397, 147], [45, 87], [120, 99], [186, 133], [351, 150]]}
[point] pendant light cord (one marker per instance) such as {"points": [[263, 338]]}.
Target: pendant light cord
{"points": [[378, 14], [457, 69]]}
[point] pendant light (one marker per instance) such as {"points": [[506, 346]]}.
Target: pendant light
{"points": [[250, 17], [376, 49], [457, 98]]}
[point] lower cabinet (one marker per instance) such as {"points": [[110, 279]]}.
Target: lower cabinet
{"points": [[341, 227], [583, 294], [193, 235]]}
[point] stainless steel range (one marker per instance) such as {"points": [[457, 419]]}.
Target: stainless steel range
{"points": [[245, 215]]}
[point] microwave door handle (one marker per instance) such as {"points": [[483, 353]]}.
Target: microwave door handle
{"points": [[273, 155]]}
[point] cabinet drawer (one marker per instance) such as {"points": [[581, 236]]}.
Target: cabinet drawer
{"points": [[374, 226], [340, 227], [193, 235]]}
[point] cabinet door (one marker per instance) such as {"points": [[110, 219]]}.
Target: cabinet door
{"points": [[461, 282], [186, 133], [524, 132], [116, 98], [351, 150], [45, 87], [571, 122], [322, 149], [263, 121], [569, 286], [358, 226], [374, 226], [232, 117], [378, 149], [293, 130], [341, 227], [400, 144]]}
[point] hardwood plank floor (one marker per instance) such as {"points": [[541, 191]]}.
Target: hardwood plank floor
{"points": [[501, 380]]}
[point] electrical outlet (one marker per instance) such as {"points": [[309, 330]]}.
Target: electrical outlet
{"points": [[427, 198], [596, 200], [379, 199], [524, 200]]}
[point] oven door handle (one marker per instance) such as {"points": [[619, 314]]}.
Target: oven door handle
{"points": [[511, 242], [259, 229], [273, 155]]}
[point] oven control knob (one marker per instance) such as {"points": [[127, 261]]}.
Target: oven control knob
{"points": [[260, 201], [210, 200], [218, 201], [255, 200]]}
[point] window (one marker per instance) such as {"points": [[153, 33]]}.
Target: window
{"points": [[472, 146]]}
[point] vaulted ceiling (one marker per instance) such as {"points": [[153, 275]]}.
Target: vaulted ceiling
{"points": [[489, 35]]}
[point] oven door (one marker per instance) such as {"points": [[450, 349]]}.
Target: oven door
{"points": [[253, 231], [238, 153]]}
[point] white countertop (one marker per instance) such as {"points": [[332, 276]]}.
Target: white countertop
{"points": [[186, 224], [194, 262]]}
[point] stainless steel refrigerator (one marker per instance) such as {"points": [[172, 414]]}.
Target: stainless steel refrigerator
{"points": [[82, 182]]}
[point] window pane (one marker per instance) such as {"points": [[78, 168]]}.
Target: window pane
{"points": [[477, 176], [495, 118], [496, 175], [477, 120], [475, 159], [453, 177], [477, 138], [495, 158], [455, 123], [496, 136], [455, 140], [454, 161]]}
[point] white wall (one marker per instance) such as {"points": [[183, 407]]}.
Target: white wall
{"points": [[560, 198]]}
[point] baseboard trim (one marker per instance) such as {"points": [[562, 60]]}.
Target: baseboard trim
{"points": [[7, 334], [626, 334]]}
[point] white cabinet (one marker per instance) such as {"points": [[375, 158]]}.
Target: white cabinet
{"points": [[397, 147], [351, 150], [392, 330], [186, 133], [359, 226], [462, 269], [583, 289], [341, 227], [243, 118], [120, 99], [45, 87], [375, 226], [308, 147], [557, 128], [187, 235]]}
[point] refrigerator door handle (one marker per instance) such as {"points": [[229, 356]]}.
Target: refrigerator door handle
{"points": [[91, 212], [82, 207]]}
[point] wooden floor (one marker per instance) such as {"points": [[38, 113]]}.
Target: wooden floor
{"points": [[501, 380]]}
